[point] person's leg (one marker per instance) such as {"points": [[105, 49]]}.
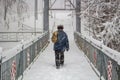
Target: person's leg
{"points": [[62, 58], [57, 60]]}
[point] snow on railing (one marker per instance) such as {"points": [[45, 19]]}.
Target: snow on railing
{"points": [[115, 55], [22, 56], [103, 60]]}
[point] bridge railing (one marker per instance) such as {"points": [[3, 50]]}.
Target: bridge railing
{"points": [[12, 67], [16, 36], [104, 61]]}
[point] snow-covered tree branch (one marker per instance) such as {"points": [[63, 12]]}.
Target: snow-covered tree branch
{"points": [[103, 17]]}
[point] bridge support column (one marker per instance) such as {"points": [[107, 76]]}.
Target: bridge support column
{"points": [[46, 16], [78, 19]]}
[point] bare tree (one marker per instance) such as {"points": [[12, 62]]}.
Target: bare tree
{"points": [[10, 8]]}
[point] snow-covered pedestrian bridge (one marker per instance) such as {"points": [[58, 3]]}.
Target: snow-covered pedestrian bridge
{"points": [[35, 59], [76, 66]]}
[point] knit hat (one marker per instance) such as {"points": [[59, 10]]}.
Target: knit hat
{"points": [[60, 27]]}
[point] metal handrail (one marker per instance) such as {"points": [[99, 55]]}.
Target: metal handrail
{"points": [[22, 56], [103, 60]]}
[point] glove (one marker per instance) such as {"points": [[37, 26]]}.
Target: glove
{"points": [[67, 49]]}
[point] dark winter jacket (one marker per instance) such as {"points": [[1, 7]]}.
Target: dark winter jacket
{"points": [[62, 43]]}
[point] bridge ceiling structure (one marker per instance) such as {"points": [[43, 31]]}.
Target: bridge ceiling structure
{"points": [[62, 5]]}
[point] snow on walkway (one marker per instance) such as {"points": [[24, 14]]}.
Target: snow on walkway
{"points": [[76, 66]]}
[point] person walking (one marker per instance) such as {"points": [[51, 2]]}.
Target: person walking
{"points": [[61, 43]]}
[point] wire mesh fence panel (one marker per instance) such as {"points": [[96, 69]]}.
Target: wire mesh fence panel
{"points": [[14, 67], [107, 67]]}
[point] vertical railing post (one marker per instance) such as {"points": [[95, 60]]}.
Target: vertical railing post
{"points": [[78, 20], [0, 63], [36, 15]]}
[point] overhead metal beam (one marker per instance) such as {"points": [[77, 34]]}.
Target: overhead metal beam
{"points": [[71, 3], [53, 3]]}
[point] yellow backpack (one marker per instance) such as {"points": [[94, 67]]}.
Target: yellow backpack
{"points": [[54, 37]]}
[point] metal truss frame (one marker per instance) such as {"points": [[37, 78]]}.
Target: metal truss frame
{"points": [[70, 4]]}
